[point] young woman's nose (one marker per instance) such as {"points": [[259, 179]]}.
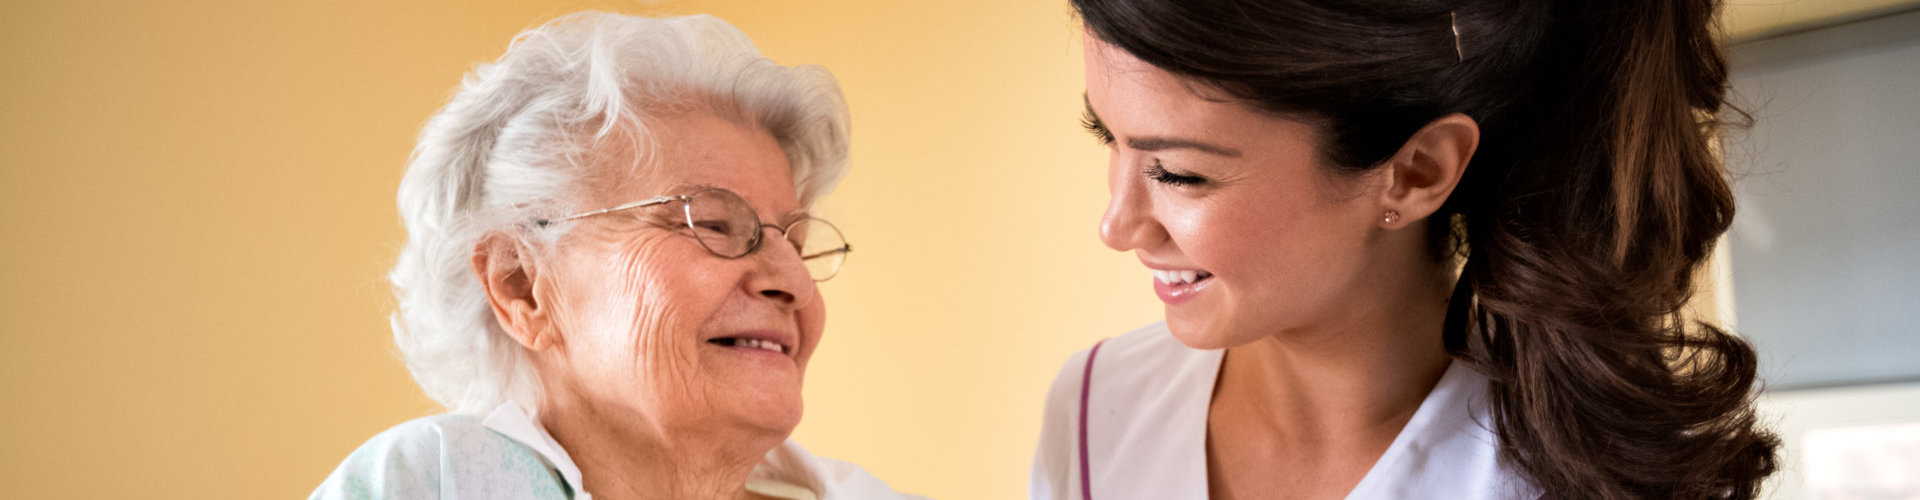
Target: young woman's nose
{"points": [[1128, 224]]}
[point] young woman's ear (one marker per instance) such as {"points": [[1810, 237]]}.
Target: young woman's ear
{"points": [[1423, 174], [509, 273]]}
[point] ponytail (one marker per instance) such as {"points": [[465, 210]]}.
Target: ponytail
{"points": [[1580, 259]]}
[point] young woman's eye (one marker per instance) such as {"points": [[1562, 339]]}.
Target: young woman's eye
{"points": [[1161, 175]]}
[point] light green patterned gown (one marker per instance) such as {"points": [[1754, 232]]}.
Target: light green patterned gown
{"points": [[450, 457], [508, 456]]}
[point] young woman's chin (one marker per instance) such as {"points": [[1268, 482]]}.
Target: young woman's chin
{"points": [[1207, 332]]}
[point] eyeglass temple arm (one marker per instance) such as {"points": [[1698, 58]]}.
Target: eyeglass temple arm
{"points": [[642, 203], [843, 249]]}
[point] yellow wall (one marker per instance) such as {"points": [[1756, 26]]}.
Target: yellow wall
{"points": [[197, 207], [196, 199]]}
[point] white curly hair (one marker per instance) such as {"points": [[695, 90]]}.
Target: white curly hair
{"points": [[506, 150]]}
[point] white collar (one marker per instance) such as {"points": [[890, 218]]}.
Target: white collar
{"points": [[791, 472], [1149, 397], [516, 423], [1448, 449], [788, 471]]}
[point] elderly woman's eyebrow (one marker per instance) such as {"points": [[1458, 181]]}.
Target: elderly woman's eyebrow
{"points": [[689, 188]]}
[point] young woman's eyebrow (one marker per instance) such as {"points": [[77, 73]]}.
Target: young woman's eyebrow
{"points": [[1099, 129]]}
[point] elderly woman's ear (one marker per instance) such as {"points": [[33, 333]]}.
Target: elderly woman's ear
{"points": [[508, 270]]}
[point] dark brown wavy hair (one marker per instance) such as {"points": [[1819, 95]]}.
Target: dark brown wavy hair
{"points": [[1593, 198]]}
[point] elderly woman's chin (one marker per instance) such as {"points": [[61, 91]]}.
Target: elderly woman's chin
{"points": [[762, 389], [753, 361]]}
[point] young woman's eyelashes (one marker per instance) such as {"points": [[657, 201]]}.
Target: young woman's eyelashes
{"points": [[1155, 171], [1092, 124], [1159, 173]]}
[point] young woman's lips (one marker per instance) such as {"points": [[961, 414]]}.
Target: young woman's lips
{"points": [[1176, 287]]}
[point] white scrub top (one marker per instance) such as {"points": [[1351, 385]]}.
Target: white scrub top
{"points": [[1146, 431], [508, 455]]}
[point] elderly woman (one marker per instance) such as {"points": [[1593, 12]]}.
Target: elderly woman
{"points": [[610, 273]]}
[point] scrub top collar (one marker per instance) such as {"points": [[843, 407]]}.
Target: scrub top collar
{"points": [[516, 423]]}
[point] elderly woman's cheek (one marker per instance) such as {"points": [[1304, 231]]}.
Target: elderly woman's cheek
{"points": [[645, 314]]}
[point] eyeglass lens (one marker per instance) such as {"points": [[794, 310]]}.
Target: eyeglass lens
{"points": [[728, 226]]}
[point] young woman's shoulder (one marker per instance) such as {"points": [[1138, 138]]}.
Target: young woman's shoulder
{"points": [[442, 457]]}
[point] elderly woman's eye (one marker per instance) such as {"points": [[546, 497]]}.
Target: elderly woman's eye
{"points": [[720, 226]]}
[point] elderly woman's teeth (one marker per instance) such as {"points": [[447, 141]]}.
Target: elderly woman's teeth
{"points": [[755, 344], [762, 344], [1180, 277]]}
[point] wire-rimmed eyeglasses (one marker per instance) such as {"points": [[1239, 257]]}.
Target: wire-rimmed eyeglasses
{"points": [[728, 227]]}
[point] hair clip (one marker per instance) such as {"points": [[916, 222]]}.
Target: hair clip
{"points": [[1455, 21]]}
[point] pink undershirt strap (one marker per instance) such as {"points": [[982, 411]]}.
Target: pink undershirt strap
{"points": [[1086, 386]]}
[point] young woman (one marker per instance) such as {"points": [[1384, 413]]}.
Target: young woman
{"points": [[1432, 249]]}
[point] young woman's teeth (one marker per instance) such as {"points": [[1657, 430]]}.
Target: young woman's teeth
{"points": [[1180, 277]]}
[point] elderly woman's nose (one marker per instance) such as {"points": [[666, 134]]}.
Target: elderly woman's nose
{"points": [[780, 274], [1127, 225]]}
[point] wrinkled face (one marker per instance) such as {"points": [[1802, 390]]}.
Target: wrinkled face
{"points": [[658, 329], [1246, 234]]}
